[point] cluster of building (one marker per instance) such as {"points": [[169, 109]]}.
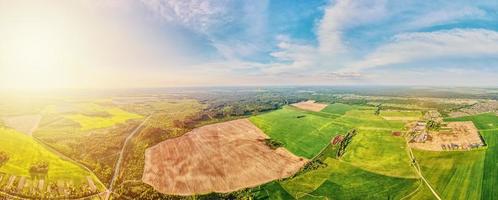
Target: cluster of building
{"points": [[453, 146], [419, 133]]}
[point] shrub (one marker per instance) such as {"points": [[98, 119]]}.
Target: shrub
{"points": [[4, 157], [40, 167], [273, 144]]}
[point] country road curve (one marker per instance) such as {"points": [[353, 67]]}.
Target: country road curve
{"points": [[419, 172]]}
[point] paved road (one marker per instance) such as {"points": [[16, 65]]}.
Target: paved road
{"points": [[120, 159]]}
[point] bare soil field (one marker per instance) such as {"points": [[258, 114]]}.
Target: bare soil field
{"points": [[221, 157], [26, 124], [310, 105], [460, 136]]}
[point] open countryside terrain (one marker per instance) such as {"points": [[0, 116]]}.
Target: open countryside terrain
{"points": [[205, 146], [20, 177], [221, 158], [376, 164]]}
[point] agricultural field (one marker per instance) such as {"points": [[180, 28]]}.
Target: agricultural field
{"points": [[401, 115], [450, 172], [20, 177], [376, 164], [222, 157], [338, 108], [487, 124], [240, 146], [342, 180], [310, 105], [93, 116], [380, 152], [26, 124], [90, 131], [303, 133], [167, 119]]}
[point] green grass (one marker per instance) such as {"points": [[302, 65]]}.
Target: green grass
{"points": [[366, 119], [490, 176], [273, 190], [454, 175], [400, 115], [117, 116], [302, 133], [487, 124], [338, 108], [340, 180], [380, 152], [24, 151], [376, 164]]}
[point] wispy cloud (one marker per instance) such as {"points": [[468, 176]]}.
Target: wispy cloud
{"points": [[236, 29], [343, 15], [350, 37], [200, 16], [408, 47], [443, 16]]}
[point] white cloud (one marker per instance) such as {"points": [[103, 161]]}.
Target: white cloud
{"points": [[198, 15], [246, 22], [444, 15], [345, 14], [412, 47]]}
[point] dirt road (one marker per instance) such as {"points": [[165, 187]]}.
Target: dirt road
{"points": [[120, 159]]}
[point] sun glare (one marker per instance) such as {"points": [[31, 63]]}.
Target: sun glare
{"points": [[34, 50]]}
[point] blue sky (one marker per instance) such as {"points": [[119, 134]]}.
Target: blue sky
{"points": [[300, 42]]}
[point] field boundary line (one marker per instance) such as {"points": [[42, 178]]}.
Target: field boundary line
{"points": [[414, 191]]}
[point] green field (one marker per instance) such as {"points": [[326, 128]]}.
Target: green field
{"points": [[302, 133], [23, 151], [488, 127], [341, 180], [490, 172], [380, 152], [454, 175], [338, 108], [375, 166], [87, 122], [366, 119], [401, 115]]}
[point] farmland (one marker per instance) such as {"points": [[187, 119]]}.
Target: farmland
{"points": [[401, 115], [239, 146], [25, 123], [310, 105], [23, 152], [376, 164], [302, 133], [343, 181], [449, 172], [487, 124], [380, 152], [94, 117], [209, 160]]}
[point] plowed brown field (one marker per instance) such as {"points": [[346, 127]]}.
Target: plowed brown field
{"points": [[310, 105], [222, 157]]}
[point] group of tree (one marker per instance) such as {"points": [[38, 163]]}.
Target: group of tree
{"points": [[40, 167], [345, 142], [433, 125], [378, 109], [273, 144], [4, 157]]}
